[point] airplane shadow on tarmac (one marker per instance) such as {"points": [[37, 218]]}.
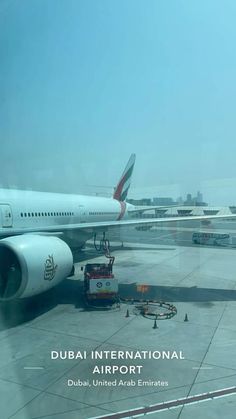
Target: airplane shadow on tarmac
{"points": [[71, 292], [21, 311], [178, 294]]}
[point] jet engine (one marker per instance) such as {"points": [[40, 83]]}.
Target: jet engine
{"points": [[31, 264]]}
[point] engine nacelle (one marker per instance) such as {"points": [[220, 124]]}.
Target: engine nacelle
{"points": [[31, 264]]}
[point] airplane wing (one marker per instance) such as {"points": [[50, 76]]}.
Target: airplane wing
{"points": [[107, 225]]}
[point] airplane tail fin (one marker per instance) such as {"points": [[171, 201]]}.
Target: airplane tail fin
{"points": [[121, 190]]}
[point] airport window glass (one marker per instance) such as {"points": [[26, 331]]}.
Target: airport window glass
{"points": [[83, 87]]}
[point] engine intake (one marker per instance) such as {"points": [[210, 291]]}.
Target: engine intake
{"points": [[31, 264]]}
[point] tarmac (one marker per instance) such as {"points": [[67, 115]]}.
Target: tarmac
{"points": [[200, 281]]}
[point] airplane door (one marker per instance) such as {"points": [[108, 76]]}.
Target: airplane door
{"points": [[6, 215], [82, 214]]}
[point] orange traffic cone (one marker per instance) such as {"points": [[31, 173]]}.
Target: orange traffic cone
{"points": [[155, 325], [186, 318]]}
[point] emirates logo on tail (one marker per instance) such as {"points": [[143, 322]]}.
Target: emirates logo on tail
{"points": [[121, 190]]}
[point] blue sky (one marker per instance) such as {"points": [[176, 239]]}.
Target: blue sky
{"points": [[83, 84]]}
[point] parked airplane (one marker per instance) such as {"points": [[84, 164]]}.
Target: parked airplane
{"points": [[39, 229]]}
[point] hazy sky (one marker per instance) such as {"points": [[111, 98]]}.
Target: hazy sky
{"points": [[83, 84]]}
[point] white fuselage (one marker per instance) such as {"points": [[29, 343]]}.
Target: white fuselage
{"points": [[29, 209]]}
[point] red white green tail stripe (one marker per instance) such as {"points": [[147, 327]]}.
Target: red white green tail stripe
{"points": [[121, 190]]}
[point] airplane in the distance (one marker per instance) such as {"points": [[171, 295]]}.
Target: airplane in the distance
{"points": [[39, 229]]}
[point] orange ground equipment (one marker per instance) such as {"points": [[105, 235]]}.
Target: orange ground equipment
{"points": [[100, 283]]}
